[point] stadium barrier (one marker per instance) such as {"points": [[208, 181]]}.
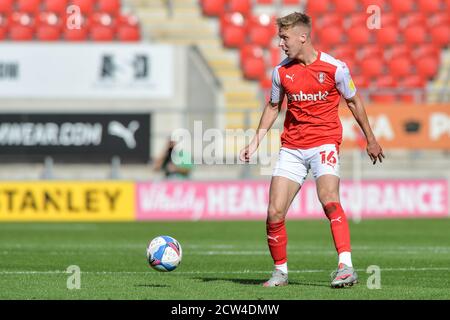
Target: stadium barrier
{"points": [[215, 200]]}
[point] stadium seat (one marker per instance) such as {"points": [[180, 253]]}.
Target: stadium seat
{"points": [[6, 6], [386, 81], [242, 6], [424, 51], [21, 33], [232, 19], [254, 68], [380, 3], [48, 33], [101, 33], [330, 36], [398, 51], [359, 36], [367, 52], [234, 36], [441, 35], [86, 6], [402, 6], [250, 51], [438, 19], [275, 56], [128, 33], [317, 7], [415, 35], [28, 6], [380, 97], [345, 7], [400, 67], [101, 19], [264, 1], [373, 67], [412, 20], [328, 20], [360, 81], [261, 30], [127, 20], [343, 52], [49, 19], [429, 6], [22, 19], [111, 7], [389, 19], [291, 2], [213, 7], [75, 34], [387, 36], [57, 6], [355, 20], [411, 81], [427, 67]]}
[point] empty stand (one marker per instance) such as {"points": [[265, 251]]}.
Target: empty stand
{"points": [[45, 20]]}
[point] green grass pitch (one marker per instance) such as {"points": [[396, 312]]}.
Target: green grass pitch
{"points": [[221, 260]]}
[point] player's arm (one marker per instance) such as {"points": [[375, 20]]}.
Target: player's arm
{"points": [[268, 117], [346, 87], [357, 108]]}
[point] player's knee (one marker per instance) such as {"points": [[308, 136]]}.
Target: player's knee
{"points": [[275, 214], [327, 196]]}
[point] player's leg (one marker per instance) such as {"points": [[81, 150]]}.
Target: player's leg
{"points": [[289, 174], [325, 167], [282, 193]]}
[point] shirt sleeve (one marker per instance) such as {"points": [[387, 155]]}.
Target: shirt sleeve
{"points": [[344, 82], [277, 92]]}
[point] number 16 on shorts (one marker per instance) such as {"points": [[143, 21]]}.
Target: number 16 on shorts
{"points": [[328, 158]]}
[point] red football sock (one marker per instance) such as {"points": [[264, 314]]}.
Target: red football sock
{"points": [[277, 240], [339, 226]]}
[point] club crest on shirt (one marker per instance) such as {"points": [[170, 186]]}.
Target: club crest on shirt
{"points": [[321, 77]]}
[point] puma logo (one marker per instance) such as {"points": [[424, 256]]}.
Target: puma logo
{"points": [[117, 129], [291, 77], [337, 219], [273, 238]]}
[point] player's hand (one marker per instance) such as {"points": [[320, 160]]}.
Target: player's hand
{"points": [[247, 152], [375, 152]]}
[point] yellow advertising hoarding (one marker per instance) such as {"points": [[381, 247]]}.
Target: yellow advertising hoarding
{"points": [[67, 201]]}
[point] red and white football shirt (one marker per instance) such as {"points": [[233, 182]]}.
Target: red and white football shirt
{"points": [[313, 93]]}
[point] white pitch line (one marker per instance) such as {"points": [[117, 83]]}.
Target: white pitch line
{"points": [[209, 272]]}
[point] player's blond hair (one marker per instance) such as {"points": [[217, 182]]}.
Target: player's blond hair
{"points": [[294, 19]]}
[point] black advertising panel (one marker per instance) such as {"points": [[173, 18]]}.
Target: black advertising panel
{"points": [[75, 138]]}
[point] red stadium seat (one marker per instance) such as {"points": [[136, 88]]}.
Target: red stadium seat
{"points": [[427, 67], [28, 6], [127, 20], [400, 67], [57, 6], [330, 36], [386, 81], [128, 34], [242, 6], [343, 52], [356, 20], [101, 19], [329, 20], [48, 33], [425, 51], [317, 7], [75, 34], [359, 36], [411, 81], [264, 1], [6, 6], [22, 19], [387, 36], [412, 20], [429, 6], [291, 2], [383, 97], [254, 68], [373, 67], [389, 20], [438, 19], [234, 36], [262, 30], [21, 33], [102, 33], [402, 6], [111, 7], [213, 7], [86, 6], [275, 56], [345, 6], [441, 35], [380, 3], [415, 35], [232, 19], [398, 51], [360, 81], [49, 19], [369, 51], [250, 51]]}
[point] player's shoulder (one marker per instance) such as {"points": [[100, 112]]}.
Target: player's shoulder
{"points": [[285, 63], [328, 59]]}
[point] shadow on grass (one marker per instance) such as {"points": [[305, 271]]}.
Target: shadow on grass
{"points": [[151, 286], [259, 282]]}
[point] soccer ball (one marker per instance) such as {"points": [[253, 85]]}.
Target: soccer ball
{"points": [[164, 253]]}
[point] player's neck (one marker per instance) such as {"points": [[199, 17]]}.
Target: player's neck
{"points": [[308, 56]]}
